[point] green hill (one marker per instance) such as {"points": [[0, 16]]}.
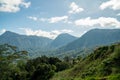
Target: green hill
{"points": [[102, 64]]}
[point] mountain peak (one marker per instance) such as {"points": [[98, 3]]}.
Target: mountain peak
{"points": [[93, 38], [63, 39], [9, 33], [64, 35]]}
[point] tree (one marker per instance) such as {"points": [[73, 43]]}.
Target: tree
{"points": [[43, 72], [62, 66], [9, 56], [53, 60]]}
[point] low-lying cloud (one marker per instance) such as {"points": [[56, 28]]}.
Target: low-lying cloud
{"points": [[50, 34], [50, 20], [2, 31]]}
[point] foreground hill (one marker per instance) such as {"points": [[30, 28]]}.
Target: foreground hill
{"points": [[93, 38], [102, 64]]}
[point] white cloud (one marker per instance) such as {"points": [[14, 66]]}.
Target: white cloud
{"points": [[50, 34], [85, 22], [26, 4], [12, 5], [75, 8], [113, 4], [102, 21], [51, 20], [2, 31], [43, 19], [33, 18], [57, 19]]}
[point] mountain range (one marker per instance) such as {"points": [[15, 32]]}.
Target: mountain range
{"points": [[35, 42], [23, 41], [94, 38], [63, 42]]}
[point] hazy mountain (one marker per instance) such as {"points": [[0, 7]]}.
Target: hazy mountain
{"points": [[63, 43], [92, 38], [24, 42], [62, 40]]}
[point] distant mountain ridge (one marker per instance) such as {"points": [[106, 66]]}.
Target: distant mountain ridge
{"points": [[35, 42], [23, 41], [94, 37], [62, 39], [64, 43]]}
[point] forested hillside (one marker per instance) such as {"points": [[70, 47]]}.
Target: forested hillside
{"points": [[16, 65], [102, 64]]}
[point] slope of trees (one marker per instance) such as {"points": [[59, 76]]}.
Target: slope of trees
{"points": [[102, 64], [43, 68], [12, 63], [15, 65]]}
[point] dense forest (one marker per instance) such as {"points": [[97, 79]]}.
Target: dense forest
{"points": [[15, 65], [102, 64]]}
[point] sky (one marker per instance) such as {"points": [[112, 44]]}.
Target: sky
{"points": [[49, 18]]}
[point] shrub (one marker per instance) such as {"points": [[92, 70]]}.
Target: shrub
{"points": [[114, 77], [43, 72], [62, 66]]}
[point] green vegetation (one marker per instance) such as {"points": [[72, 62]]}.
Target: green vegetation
{"points": [[102, 64], [15, 65], [43, 68], [12, 64]]}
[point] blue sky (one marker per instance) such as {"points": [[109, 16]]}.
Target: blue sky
{"points": [[50, 18]]}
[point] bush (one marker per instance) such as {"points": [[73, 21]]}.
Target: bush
{"points": [[114, 77], [43, 72], [90, 78], [62, 66]]}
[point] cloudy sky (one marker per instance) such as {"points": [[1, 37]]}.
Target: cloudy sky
{"points": [[50, 18]]}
